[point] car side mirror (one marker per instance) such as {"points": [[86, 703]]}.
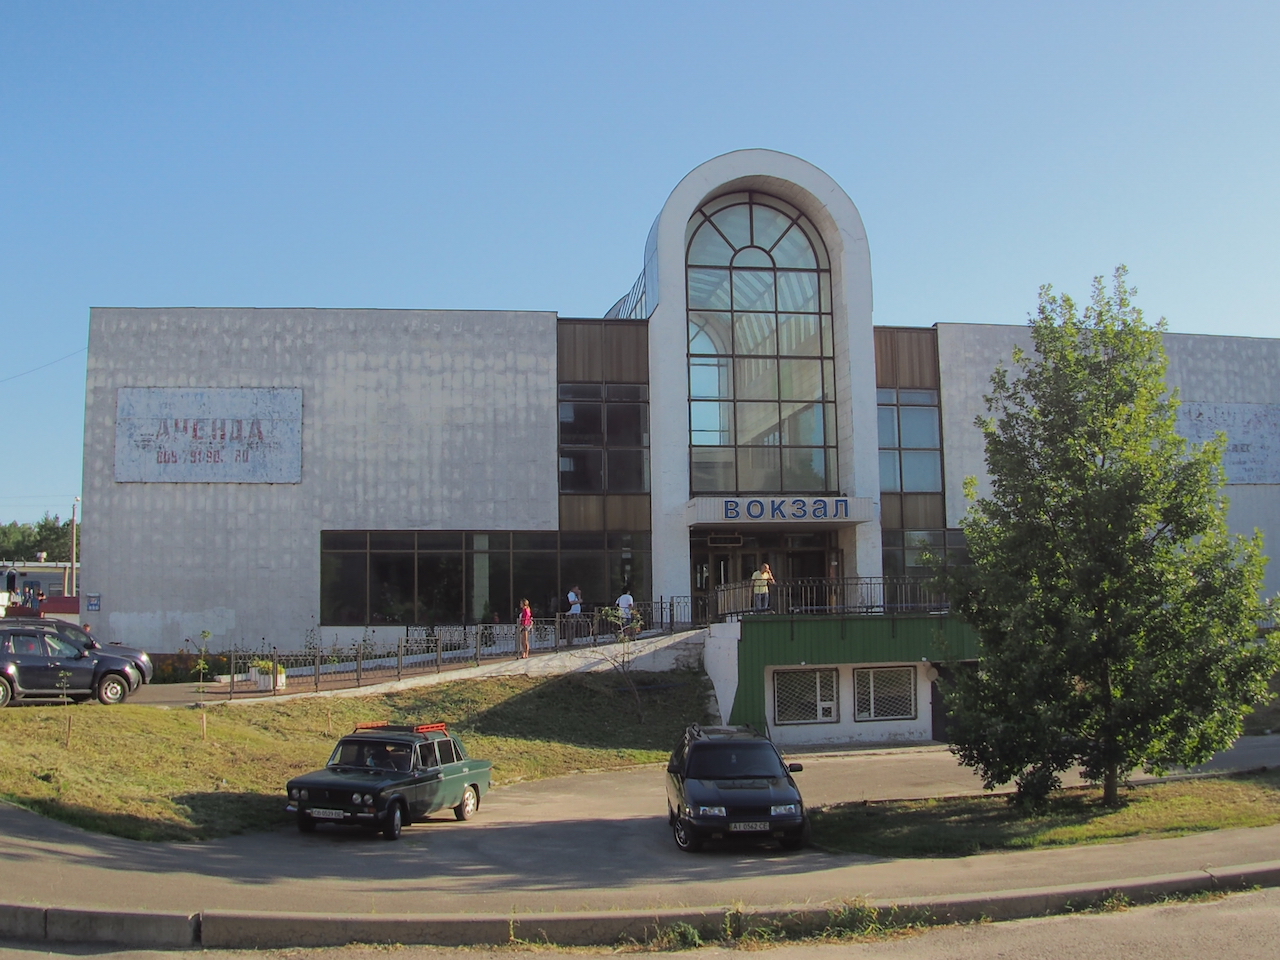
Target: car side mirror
{"points": [[673, 768], [795, 767]]}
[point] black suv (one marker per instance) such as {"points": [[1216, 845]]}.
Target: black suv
{"points": [[82, 640], [731, 782], [37, 663]]}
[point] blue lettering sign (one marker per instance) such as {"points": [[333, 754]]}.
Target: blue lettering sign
{"points": [[777, 510], [755, 509], [731, 510], [819, 509], [839, 505], [799, 509]]}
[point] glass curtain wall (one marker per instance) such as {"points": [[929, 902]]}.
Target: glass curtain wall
{"points": [[761, 353]]}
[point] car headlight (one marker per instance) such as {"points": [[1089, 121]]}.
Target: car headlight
{"points": [[355, 798], [293, 793], [303, 793], [711, 811], [783, 809], [368, 799]]}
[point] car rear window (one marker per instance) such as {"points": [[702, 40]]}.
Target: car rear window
{"points": [[733, 760]]}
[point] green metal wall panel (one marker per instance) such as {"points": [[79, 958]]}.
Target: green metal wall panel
{"points": [[769, 641]]}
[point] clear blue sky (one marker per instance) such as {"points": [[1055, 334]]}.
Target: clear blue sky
{"points": [[513, 155]]}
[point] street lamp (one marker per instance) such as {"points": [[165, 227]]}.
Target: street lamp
{"points": [[74, 504]]}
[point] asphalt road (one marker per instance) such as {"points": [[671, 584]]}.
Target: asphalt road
{"points": [[588, 842]]}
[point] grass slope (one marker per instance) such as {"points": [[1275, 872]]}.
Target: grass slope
{"points": [[145, 773], [960, 826]]}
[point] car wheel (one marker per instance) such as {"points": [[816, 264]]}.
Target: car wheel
{"points": [[306, 824], [113, 688], [395, 822], [6, 693], [469, 805], [687, 838]]}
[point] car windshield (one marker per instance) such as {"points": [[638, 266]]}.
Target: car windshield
{"points": [[373, 755], [734, 760]]}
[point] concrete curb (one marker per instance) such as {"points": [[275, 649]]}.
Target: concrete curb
{"points": [[249, 930]]}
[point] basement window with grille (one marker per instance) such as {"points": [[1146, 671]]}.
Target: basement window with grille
{"points": [[806, 696], [885, 693]]}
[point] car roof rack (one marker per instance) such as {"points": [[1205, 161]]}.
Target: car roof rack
{"points": [[700, 732], [402, 727]]}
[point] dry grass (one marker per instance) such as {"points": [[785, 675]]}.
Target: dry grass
{"points": [[145, 773]]}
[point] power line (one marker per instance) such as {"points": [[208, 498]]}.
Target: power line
{"points": [[43, 365]]}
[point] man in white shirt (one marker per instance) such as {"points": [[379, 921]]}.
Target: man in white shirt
{"points": [[625, 603], [575, 601]]}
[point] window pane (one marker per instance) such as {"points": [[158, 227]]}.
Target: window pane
{"points": [[794, 250], [537, 577], [758, 424], [753, 290], [752, 257], [535, 540], [888, 424], [828, 341], [488, 541], [711, 470], [711, 423], [708, 247], [802, 425], [343, 540], [440, 588], [581, 471], [919, 397], [825, 300], [709, 333], [579, 391], [580, 423], [795, 696], [755, 333], [628, 471], [799, 335], [344, 589], [757, 379], [391, 579], [489, 588], [439, 540], [585, 570], [391, 540], [630, 540], [627, 424], [759, 469], [581, 540], [710, 378], [768, 225], [630, 571], [627, 391], [886, 396], [920, 427], [800, 379], [708, 288], [921, 471], [804, 470], [829, 409], [833, 469], [890, 480], [735, 223], [798, 291], [815, 240]]}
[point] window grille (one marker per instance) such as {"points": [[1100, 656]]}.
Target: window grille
{"points": [[886, 693], [806, 696]]}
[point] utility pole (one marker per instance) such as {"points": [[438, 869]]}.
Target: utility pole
{"points": [[75, 503]]}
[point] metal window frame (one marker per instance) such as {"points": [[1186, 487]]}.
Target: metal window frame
{"points": [[819, 703], [871, 672]]}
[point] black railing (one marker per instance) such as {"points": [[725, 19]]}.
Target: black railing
{"points": [[822, 596]]}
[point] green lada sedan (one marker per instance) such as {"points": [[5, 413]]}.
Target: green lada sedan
{"points": [[386, 776]]}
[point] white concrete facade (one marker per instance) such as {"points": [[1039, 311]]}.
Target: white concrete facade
{"points": [[815, 194], [413, 419], [1239, 372]]}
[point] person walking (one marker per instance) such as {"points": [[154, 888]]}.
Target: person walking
{"points": [[525, 623]]}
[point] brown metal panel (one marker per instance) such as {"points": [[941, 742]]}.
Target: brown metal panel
{"points": [[581, 512], [886, 363], [923, 511], [625, 348], [917, 358], [891, 511], [627, 511], [579, 352]]}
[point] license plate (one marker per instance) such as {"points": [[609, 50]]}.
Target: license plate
{"points": [[326, 814], [753, 826]]}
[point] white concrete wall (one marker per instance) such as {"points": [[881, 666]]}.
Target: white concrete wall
{"points": [[846, 729], [720, 661], [411, 420], [1203, 369], [829, 207]]}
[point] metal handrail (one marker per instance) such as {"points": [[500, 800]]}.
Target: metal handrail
{"points": [[824, 596]]}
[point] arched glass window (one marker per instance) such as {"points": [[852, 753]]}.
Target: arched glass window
{"points": [[762, 416]]}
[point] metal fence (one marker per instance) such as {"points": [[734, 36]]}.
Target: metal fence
{"points": [[819, 595], [432, 649]]}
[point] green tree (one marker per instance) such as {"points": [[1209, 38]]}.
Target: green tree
{"points": [[22, 541], [1118, 617]]}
